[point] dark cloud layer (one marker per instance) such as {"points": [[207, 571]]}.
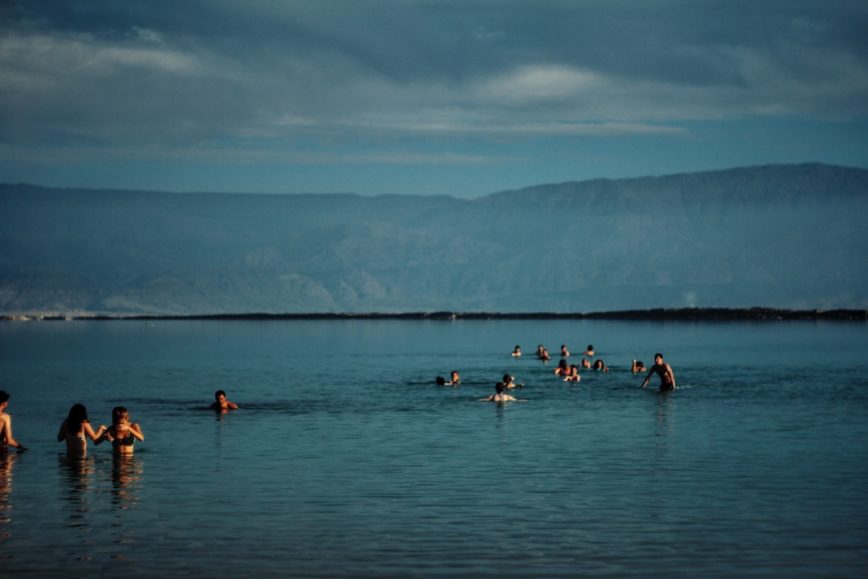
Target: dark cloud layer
{"points": [[266, 82]]}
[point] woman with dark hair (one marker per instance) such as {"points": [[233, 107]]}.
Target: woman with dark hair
{"points": [[76, 428]]}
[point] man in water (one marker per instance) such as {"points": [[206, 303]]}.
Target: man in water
{"points": [[664, 370], [6, 438], [499, 395], [221, 404]]}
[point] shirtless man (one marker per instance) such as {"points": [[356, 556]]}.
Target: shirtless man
{"points": [[664, 370], [499, 395], [6, 437], [221, 404]]}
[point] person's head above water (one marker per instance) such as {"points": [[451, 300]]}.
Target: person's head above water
{"points": [[120, 414], [219, 394], [499, 387], [76, 417]]}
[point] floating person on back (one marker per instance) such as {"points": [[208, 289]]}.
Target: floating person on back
{"points": [[454, 379], [499, 395], [76, 429], [122, 433], [221, 403], [6, 438], [664, 370], [509, 382], [638, 366], [516, 353], [600, 366]]}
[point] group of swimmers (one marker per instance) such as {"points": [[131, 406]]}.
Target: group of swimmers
{"points": [[570, 372], [76, 428]]}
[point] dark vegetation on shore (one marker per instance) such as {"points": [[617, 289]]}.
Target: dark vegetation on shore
{"points": [[657, 314]]}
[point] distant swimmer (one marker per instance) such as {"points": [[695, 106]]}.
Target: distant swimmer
{"points": [[509, 382], [6, 438], [589, 351], [517, 352], [76, 429], [221, 403], [544, 356], [564, 352], [586, 363], [562, 368], [123, 434], [600, 366], [572, 374], [664, 370], [499, 395], [638, 366], [539, 351]]}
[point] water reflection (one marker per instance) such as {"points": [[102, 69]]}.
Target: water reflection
{"points": [[7, 463], [76, 474], [127, 471]]}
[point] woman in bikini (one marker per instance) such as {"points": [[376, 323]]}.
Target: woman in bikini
{"points": [[122, 433], [76, 429]]}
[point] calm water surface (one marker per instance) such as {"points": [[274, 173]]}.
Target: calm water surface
{"points": [[347, 460]]}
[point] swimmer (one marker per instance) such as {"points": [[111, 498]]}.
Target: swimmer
{"points": [[664, 370], [509, 382], [545, 355], [638, 366], [600, 366], [589, 351], [122, 433], [586, 364], [499, 395], [573, 374], [6, 438], [76, 429], [517, 352], [221, 404], [564, 352], [539, 351], [454, 379], [562, 368]]}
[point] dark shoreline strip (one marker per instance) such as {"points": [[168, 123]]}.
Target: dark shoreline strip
{"points": [[657, 314]]}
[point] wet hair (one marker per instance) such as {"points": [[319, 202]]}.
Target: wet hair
{"points": [[4, 397], [507, 378], [218, 393], [440, 381], [658, 355], [119, 413], [589, 348], [76, 417], [499, 387]]}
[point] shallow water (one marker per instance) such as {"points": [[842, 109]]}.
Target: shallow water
{"points": [[346, 459]]}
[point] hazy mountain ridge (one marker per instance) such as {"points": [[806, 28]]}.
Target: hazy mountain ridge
{"points": [[781, 236]]}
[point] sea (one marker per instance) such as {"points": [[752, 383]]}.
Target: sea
{"points": [[345, 459]]}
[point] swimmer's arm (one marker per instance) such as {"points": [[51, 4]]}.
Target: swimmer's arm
{"points": [[231, 405], [94, 436], [647, 378], [136, 431], [7, 430], [671, 375]]}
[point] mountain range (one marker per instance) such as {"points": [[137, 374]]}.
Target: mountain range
{"points": [[783, 236]]}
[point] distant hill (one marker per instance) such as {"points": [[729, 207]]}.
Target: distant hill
{"points": [[779, 236]]}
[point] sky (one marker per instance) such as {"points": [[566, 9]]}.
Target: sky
{"points": [[460, 98]]}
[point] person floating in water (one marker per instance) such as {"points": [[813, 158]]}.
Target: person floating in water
{"points": [[589, 351], [664, 370], [6, 438], [564, 352], [572, 374], [499, 395], [600, 366], [638, 366], [76, 429], [517, 352], [221, 404], [586, 364], [562, 368], [122, 433], [509, 382]]}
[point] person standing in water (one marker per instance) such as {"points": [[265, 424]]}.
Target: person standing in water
{"points": [[123, 434], [499, 395], [664, 370], [6, 438], [76, 429]]}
